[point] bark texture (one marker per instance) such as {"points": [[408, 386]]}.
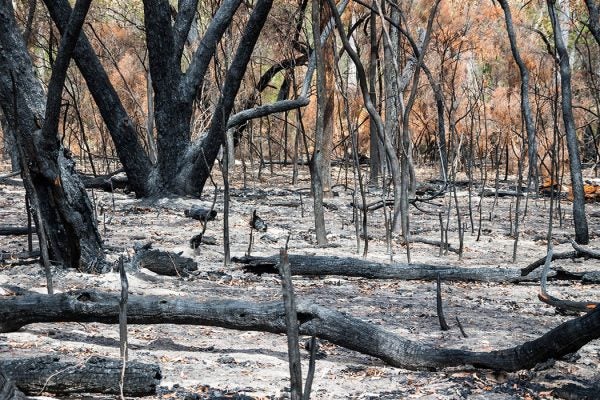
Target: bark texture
{"points": [[94, 375]]}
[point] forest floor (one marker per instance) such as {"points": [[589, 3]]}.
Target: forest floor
{"points": [[207, 362]]}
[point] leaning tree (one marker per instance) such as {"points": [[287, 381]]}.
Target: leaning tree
{"points": [[65, 223]]}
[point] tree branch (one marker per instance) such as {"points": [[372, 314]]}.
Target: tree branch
{"points": [[181, 28], [194, 75]]}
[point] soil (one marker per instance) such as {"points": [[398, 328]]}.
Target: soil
{"points": [[205, 362]]}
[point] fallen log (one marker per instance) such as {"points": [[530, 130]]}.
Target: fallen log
{"points": [[107, 183], [347, 266], [94, 375], [337, 327], [11, 230], [164, 262], [555, 256], [23, 255], [201, 213]]}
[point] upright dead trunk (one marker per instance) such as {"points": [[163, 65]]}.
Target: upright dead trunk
{"points": [[525, 109], [65, 217], [329, 104], [579, 217], [316, 164], [374, 142]]}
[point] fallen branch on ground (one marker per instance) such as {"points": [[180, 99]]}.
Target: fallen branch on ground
{"points": [[10, 230], [23, 255], [337, 327], [107, 183], [95, 375], [164, 262], [564, 305], [578, 252]]}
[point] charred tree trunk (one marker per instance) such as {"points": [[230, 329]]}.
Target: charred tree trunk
{"points": [[579, 217], [327, 51], [65, 220], [339, 328], [317, 162], [96, 375], [211, 144], [347, 266], [9, 142], [391, 116], [525, 108], [131, 153]]}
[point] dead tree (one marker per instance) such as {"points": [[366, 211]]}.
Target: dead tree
{"points": [[64, 217], [579, 217], [337, 327]]}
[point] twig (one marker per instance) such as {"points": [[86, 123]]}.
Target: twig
{"points": [[462, 331]]}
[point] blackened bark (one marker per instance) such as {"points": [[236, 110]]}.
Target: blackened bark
{"points": [[194, 76], [65, 217], [525, 108], [186, 12], [164, 263], [131, 153], [317, 162], [391, 117], [95, 375], [337, 327], [579, 217], [347, 266], [172, 113], [327, 50], [195, 178], [8, 140], [8, 391]]}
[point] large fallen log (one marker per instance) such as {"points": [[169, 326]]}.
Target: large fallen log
{"points": [[337, 327], [348, 266], [94, 375]]}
